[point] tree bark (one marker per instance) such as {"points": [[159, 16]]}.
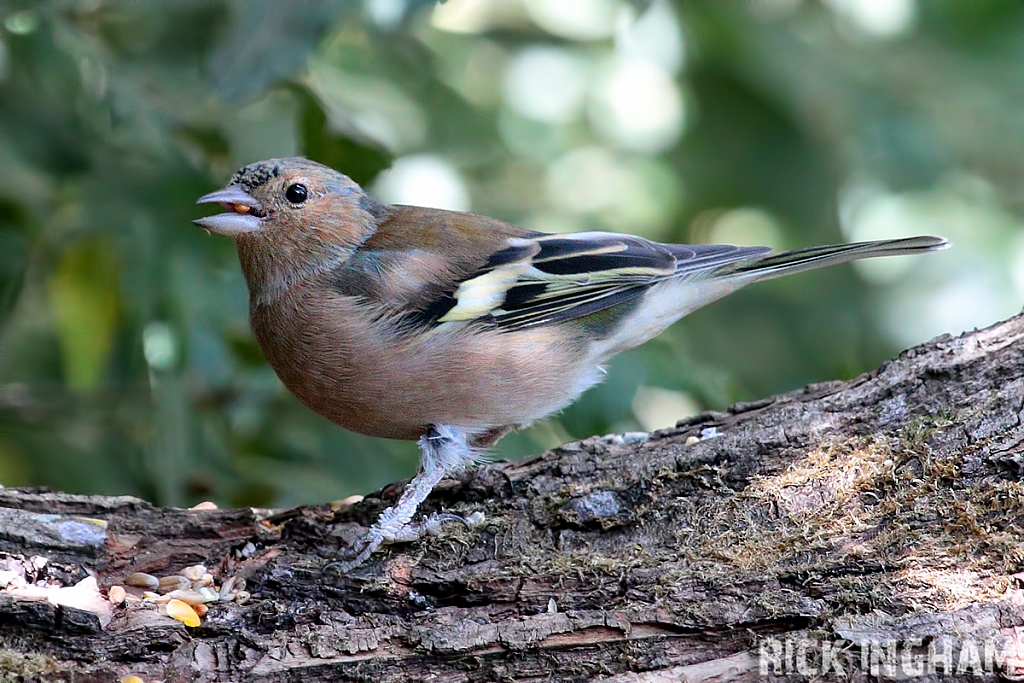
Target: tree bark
{"points": [[816, 533]]}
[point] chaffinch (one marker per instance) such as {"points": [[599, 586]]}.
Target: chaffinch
{"points": [[452, 328]]}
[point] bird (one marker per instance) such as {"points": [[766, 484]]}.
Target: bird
{"points": [[451, 328]]}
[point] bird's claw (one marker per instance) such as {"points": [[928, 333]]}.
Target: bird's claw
{"points": [[380, 535], [445, 449], [431, 526], [359, 552]]}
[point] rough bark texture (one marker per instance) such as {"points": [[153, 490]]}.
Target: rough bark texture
{"points": [[886, 509]]}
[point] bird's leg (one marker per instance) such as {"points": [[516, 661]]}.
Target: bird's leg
{"points": [[446, 450]]}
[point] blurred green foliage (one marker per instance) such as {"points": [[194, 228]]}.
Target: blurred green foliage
{"points": [[126, 364]]}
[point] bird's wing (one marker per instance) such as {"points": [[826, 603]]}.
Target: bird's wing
{"points": [[426, 267], [545, 279]]}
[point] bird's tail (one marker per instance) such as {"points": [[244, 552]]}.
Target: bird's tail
{"points": [[799, 260]]}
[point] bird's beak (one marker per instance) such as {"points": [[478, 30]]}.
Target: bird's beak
{"points": [[244, 212]]}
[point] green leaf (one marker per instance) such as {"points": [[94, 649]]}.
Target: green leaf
{"points": [[13, 257], [360, 161], [84, 295], [268, 41]]}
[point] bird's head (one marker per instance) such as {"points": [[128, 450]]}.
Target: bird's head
{"points": [[291, 217]]}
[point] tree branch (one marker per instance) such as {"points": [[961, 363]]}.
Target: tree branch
{"points": [[882, 510]]}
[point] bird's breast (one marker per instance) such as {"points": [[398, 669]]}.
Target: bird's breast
{"points": [[352, 365]]}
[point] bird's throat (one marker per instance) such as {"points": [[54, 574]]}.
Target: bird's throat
{"points": [[272, 268]]}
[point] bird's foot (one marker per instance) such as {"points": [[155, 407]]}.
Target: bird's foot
{"points": [[386, 531], [445, 450]]}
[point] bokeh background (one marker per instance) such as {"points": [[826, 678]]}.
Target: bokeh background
{"points": [[126, 363]]}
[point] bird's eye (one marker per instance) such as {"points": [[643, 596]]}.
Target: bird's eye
{"points": [[296, 193]]}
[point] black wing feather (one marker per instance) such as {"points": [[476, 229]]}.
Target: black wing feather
{"points": [[561, 277]]}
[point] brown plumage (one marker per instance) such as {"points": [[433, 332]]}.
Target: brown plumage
{"points": [[452, 328], [364, 376]]}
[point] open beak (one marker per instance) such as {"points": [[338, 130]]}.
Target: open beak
{"points": [[244, 212]]}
